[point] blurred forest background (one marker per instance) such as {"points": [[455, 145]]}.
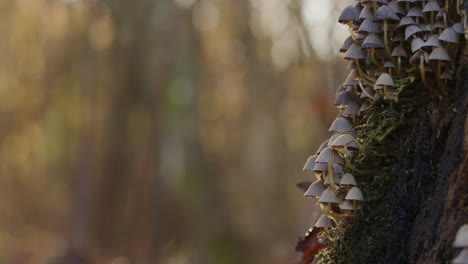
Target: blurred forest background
{"points": [[162, 131]]}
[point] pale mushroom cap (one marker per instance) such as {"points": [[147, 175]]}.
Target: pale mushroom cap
{"points": [[329, 155], [336, 178], [414, 60], [310, 163], [328, 196], [439, 25], [315, 189], [349, 13], [355, 52], [366, 12], [346, 44], [461, 239], [319, 167], [324, 221], [332, 138], [369, 26], [462, 257], [458, 27], [322, 147], [449, 35], [341, 125], [354, 194], [431, 6], [406, 21], [432, 41], [439, 54], [348, 179], [365, 106], [351, 109], [396, 8], [389, 64], [372, 41], [384, 79], [386, 13], [416, 44], [399, 51], [343, 98], [411, 30], [338, 168], [346, 205], [342, 140], [415, 11]]}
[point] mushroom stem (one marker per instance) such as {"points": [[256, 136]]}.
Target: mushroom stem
{"points": [[365, 92], [432, 20], [421, 69], [330, 177], [398, 63], [374, 59], [351, 31], [366, 78], [326, 210], [386, 37]]}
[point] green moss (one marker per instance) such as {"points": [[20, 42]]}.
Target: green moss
{"points": [[397, 145]]}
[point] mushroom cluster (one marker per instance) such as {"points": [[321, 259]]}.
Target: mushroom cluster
{"points": [[389, 40], [386, 35], [461, 241]]}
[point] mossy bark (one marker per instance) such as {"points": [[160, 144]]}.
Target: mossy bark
{"points": [[417, 193]]}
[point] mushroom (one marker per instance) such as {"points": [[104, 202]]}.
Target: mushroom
{"points": [[461, 238], [406, 21], [355, 53], [325, 222], [348, 180], [310, 163], [420, 58], [416, 12], [315, 189], [439, 55], [346, 44], [354, 195], [399, 52], [351, 110], [322, 147], [372, 42], [385, 13], [341, 125], [396, 8], [385, 81], [389, 66], [330, 157], [348, 16], [365, 106], [431, 7]]}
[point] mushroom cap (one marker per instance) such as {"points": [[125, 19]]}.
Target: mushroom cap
{"points": [[352, 108], [355, 52], [372, 41], [462, 257], [416, 44], [349, 13], [439, 54], [369, 90], [310, 163], [338, 168], [354, 194], [384, 79], [328, 196], [365, 106], [322, 147], [396, 8], [415, 11], [458, 27], [336, 178], [341, 125], [348, 205], [342, 140], [399, 51], [329, 155], [385, 13], [369, 26], [414, 60], [431, 6], [432, 41], [411, 30], [343, 98], [461, 239], [346, 44], [389, 64], [315, 189], [324, 221], [366, 12], [439, 25], [348, 180], [406, 21], [320, 167], [449, 35], [333, 137]]}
